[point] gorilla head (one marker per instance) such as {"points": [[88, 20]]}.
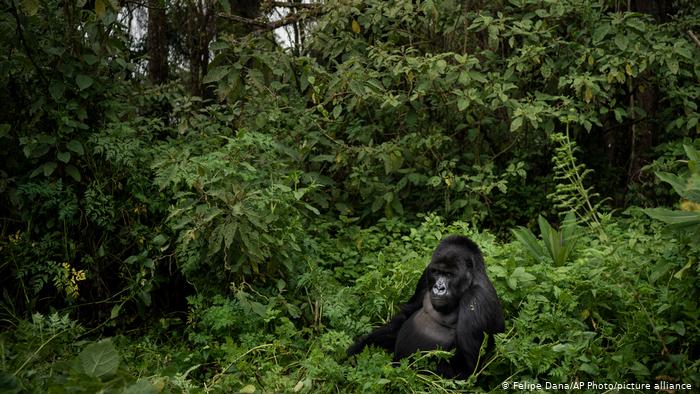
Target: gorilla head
{"points": [[449, 275], [453, 307]]}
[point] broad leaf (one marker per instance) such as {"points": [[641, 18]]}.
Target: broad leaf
{"points": [[528, 240], [675, 218], [76, 147], [83, 81], [99, 359]]}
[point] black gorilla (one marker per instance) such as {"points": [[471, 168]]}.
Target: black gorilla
{"points": [[454, 305]]}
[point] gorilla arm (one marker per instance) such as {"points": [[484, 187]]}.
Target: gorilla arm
{"points": [[385, 336], [479, 313]]}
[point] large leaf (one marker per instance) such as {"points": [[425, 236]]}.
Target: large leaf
{"points": [[682, 186], [76, 147], [83, 81], [142, 386], [692, 153], [99, 359], [551, 238], [528, 240], [216, 73], [675, 218]]}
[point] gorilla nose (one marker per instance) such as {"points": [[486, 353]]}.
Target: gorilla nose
{"points": [[439, 289]]}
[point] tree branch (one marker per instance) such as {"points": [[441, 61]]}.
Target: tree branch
{"points": [[694, 37], [23, 40], [262, 26], [293, 5]]}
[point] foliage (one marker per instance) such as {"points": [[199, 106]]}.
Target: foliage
{"points": [[238, 210], [598, 316], [239, 239], [74, 203], [688, 188], [559, 243], [571, 193]]}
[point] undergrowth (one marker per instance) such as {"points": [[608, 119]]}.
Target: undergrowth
{"points": [[623, 309]]}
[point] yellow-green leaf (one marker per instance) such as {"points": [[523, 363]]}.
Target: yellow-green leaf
{"points": [[355, 26], [249, 389], [30, 7], [100, 8], [516, 123]]}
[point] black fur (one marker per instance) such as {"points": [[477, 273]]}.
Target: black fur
{"points": [[454, 306]]}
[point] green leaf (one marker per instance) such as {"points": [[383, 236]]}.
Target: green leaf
{"points": [[115, 311], [691, 152], [99, 359], [56, 90], [49, 168], [226, 6], [142, 386], [680, 185], [73, 172], [674, 218], [249, 389], [528, 240], [159, 240], [464, 77], [621, 41], [145, 297], [462, 104], [258, 308], [30, 7], [683, 51], [672, 64], [5, 130], [63, 156], [90, 59], [76, 147], [516, 123], [215, 74], [519, 275], [83, 81], [600, 32]]}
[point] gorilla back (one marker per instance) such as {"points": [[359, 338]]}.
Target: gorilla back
{"points": [[453, 307]]}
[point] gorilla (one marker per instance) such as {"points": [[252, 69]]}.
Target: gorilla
{"points": [[454, 306]]}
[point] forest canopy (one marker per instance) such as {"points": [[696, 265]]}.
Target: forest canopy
{"points": [[221, 195]]}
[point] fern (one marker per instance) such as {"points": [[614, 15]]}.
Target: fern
{"points": [[570, 192]]}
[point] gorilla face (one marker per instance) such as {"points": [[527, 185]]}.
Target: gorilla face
{"points": [[449, 275]]}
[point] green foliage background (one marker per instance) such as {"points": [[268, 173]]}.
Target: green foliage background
{"points": [[238, 241]]}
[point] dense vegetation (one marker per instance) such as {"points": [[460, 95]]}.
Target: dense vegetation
{"points": [[196, 206]]}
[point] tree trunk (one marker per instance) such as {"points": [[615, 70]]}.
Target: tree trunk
{"points": [[157, 42]]}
